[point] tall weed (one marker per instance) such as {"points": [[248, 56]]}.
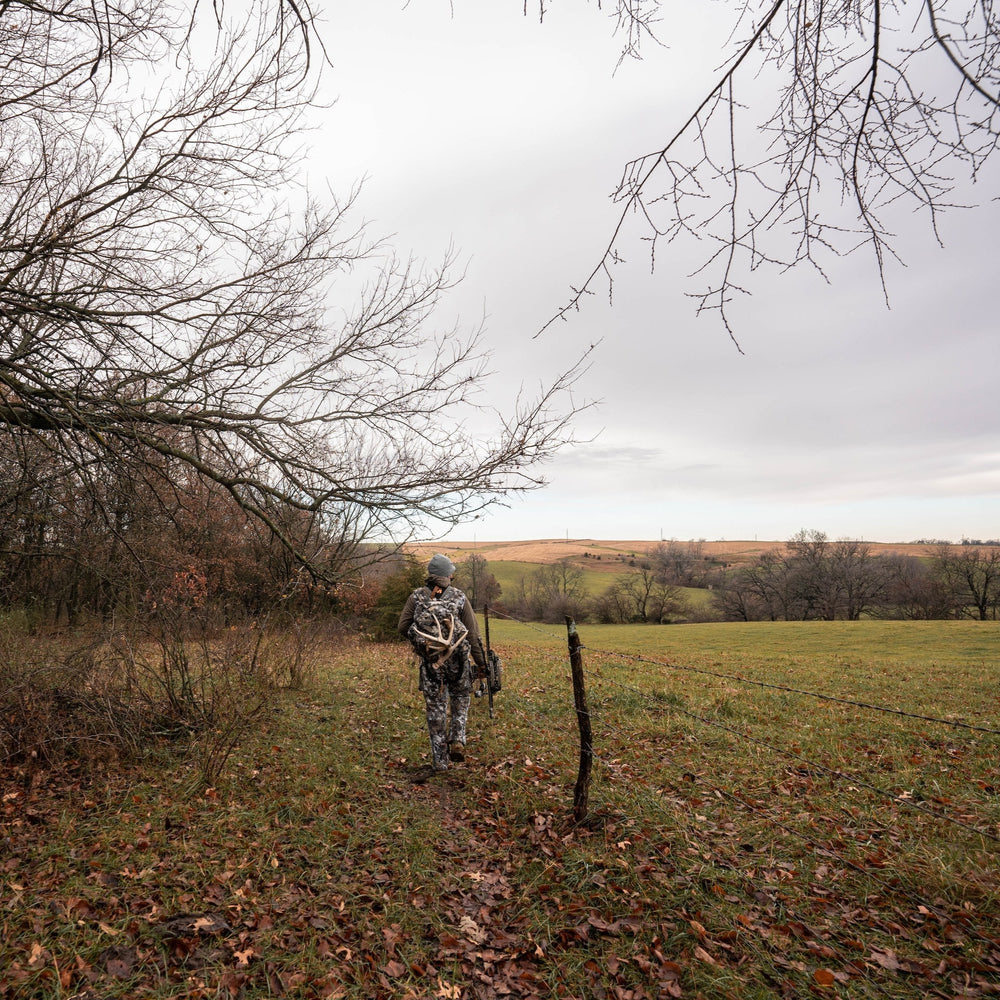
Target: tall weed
{"points": [[59, 703], [112, 697]]}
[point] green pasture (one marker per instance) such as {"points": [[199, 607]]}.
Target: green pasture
{"points": [[592, 582], [949, 665], [741, 841], [510, 573]]}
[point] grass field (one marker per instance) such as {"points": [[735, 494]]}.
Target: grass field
{"points": [[510, 574], [549, 550], [743, 840], [592, 581]]}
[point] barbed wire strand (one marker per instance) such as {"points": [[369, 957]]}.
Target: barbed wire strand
{"points": [[860, 966], [838, 773], [739, 678], [793, 690], [814, 845], [746, 804], [834, 772]]}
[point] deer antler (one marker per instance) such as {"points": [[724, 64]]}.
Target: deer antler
{"points": [[442, 645]]}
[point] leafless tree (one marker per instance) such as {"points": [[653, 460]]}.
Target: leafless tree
{"points": [[758, 591], [972, 578], [635, 22], [614, 605], [549, 593], [680, 563], [478, 582], [169, 287], [654, 599], [826, 121], [812, 593], [915, 591], [860, 578]]}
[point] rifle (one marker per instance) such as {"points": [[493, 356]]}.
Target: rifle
{"points": [[490, 684]]}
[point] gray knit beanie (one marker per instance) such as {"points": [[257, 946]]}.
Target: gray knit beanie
{"points": [[440, 566]]}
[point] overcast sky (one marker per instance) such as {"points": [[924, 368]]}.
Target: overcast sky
{"points": [[504, 137]]}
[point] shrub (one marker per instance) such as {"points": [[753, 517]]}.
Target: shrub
{"points": [[384, 619], [111, 698]]}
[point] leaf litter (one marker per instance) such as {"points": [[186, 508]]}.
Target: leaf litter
{"points": [[319, 869]]}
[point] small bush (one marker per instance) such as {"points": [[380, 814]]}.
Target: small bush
{"points": [[384, 621], [112, 698], [59, 702]]}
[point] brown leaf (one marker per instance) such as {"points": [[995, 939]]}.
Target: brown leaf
{"points": [[887, 959], [119, 963], [472, 930], [704, 956], [233, 982], [393, 969], [824, 977], [602, 925], [39, 956]]}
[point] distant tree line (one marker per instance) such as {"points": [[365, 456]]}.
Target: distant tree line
{"points": [[112, 547], [809, 578], [813, 578]]}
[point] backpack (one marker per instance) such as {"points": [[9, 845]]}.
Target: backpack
{"points": [[437, 632]]}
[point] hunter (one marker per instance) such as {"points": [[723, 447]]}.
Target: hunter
{"points": [[440, 624]]}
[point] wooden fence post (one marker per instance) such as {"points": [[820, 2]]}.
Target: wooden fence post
{"points": [[582, 790]]}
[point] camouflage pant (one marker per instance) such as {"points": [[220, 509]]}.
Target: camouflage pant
{"points": [[452, 683]]}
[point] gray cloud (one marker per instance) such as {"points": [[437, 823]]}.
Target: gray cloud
{"points": [[506, 136]]}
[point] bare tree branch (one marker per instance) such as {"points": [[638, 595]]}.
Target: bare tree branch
{"points": [[854, 97], [173, 299]]}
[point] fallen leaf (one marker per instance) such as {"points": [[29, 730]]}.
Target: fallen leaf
{"points": [[887, 959], [472, 930], [121, 964]]}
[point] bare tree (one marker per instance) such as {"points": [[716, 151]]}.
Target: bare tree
{"points": [[972, 577], [860, 578], [812, 593], [914, 590], [614, 605], [475, 578], [169, 287], [827, 119], [635, 23], [680, 563], [550, 592], [650, 594], [758, 591]]}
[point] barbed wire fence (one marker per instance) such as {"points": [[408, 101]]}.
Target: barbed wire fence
{"points": [[987, 831]]}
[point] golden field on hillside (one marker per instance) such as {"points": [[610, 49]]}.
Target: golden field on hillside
{"points": [[550, 550]]}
